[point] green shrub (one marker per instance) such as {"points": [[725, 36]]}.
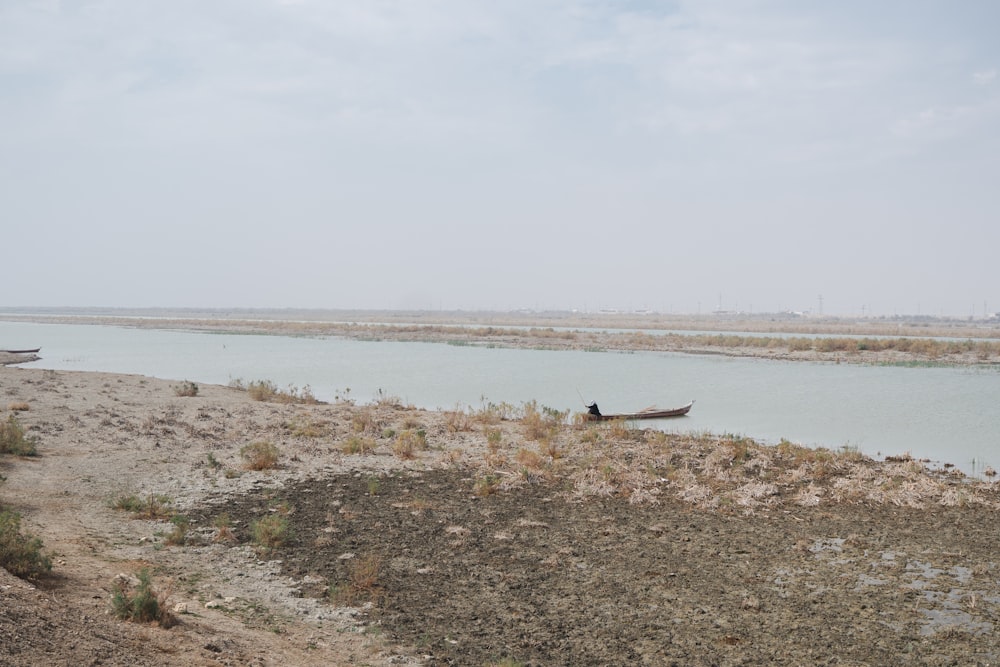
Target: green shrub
{"points": [[13, 440], [178, 535], [270, 532], [142, 605], [20, 553]]}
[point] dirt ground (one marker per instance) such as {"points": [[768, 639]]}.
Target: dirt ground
{"points": [[505, 536]]}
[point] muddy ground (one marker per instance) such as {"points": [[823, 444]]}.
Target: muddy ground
{"points": [[506, 536], [530, 576]]}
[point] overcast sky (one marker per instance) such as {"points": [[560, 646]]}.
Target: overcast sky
{"points": [[673, 156]]}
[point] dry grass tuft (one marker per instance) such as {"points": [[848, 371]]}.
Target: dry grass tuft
{"points": [[362, 584], [408, 443], [261, 455], [357, 444], [457, 421]]}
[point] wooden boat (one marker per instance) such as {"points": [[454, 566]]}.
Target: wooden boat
{"points": [[35, 351], [594, 414]]}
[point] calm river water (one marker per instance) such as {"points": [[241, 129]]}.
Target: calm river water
{"points": [[945, 414]]}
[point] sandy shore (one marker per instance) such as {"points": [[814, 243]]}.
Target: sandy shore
{"points": [[502, 533]]}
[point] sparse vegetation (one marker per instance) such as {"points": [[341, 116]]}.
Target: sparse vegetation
{"points": [[178, 535], [270, 532], [541, 422], [223, 529], [305, 426], [18, 406], [362, 584], [186, 389], [153, 506], [457, 421], [260, 455], [21, 553], [408, 443], [357, 444], [140, 603], [268, 391], [366, 421], [14, 441]]}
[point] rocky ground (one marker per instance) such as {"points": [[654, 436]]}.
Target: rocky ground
{"points": [[496, 535]]}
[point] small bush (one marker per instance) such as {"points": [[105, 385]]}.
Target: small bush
{"points": [[486, 486], [260, 455], [362, 583], [265, 390], [223, 529], [13, 441], [541, 422], [457, 421], [142, 605], [304, 426], [20, 553], [357, 444], [186, 388], [408, 443], [270, 532], [494, 437], [365, 421], [126, 501], [153, 507], [18, 406], [178, 536]]}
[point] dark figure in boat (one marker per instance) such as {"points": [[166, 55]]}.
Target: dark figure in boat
{"points": [[592, 409]]}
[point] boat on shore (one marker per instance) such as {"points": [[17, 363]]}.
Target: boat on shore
{"points": [[594, 413], [34, 351]]}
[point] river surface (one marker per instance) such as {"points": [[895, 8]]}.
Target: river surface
{"points": [[944, 414]]}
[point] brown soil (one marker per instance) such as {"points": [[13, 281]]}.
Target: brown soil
{"points": [[503, 539], [530, 576]]}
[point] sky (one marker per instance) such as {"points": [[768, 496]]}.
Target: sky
{"points": [[751, 155]]}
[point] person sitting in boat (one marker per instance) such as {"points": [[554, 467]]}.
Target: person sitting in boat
{"points": [[592, 409]]}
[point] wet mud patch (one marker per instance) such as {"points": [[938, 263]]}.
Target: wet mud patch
{"points": [[530, 576]]}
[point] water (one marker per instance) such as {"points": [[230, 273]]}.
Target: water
{"points": [[944, 414]]}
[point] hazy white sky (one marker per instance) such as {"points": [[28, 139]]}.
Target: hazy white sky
{"points": [[590, 154]]}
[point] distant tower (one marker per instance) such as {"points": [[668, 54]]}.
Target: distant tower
{"points": [[820, 304]]}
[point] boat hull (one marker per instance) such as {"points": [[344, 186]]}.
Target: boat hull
{"points": [[645, 414]]}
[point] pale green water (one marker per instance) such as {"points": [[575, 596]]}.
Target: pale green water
{"points": [[945, 414]]}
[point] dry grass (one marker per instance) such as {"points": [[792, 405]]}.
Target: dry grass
{"points": [[140, 603], [457, 421], [408, 443], [362, 583], [268, 391], [722, 473], [270, 532], [13, 439], [357, 444], [18, 406], [260, 455]]}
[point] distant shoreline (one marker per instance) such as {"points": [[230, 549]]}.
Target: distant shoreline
{"points": [[788, 337], [788, 323]]}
